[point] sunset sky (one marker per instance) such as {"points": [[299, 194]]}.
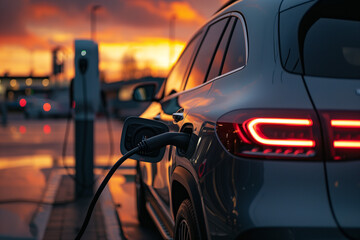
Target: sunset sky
{"points": [[29, 29]]}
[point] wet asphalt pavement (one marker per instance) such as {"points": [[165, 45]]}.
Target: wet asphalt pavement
{"points": [[30, 149]]}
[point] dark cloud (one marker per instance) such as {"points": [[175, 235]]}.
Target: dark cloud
{"points": [[134, 13], [124, 12], [13, 17], [69, 6], [116, 11], [205, 12], [17, 17]]}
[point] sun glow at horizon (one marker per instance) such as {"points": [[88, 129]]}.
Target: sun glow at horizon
{"points": [[137, 29], [148, 53]]}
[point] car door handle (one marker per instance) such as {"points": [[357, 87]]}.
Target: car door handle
{"points": [[178, 116]]}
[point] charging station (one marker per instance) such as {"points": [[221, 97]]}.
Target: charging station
{"points": [[86, 92]]}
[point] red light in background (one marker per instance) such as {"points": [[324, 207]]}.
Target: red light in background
{"points": [[22, 129], [47, 107], [47, 129], [254, 128], [22, 102]]}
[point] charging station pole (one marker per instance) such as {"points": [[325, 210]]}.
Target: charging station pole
{"points": [[86, 92]]}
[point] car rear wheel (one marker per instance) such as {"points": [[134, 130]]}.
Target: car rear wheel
{"points": [[142, 214], [186, 226]]}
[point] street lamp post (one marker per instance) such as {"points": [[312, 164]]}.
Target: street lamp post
{"points": [[93, 21], [171, 37]]}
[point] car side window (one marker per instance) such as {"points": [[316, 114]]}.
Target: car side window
{"points": [[176, 76], [215, 69], [205, 54], [236, 52]]}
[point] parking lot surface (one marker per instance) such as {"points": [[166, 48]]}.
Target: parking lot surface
{"points": [[31, 154]]}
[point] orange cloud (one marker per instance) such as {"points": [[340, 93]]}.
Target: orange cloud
{"points": [[29, 41], [182, 10], [44, 11]]}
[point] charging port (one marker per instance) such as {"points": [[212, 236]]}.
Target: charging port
{"points": [[190, 149]]}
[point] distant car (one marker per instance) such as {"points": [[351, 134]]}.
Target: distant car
{"points": [[55, 104], [271, 89], [13, 98]]}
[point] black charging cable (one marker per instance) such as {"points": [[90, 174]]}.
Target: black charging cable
{"points": [[67, 129], [101, 188], [109, 128], [180, 140]]}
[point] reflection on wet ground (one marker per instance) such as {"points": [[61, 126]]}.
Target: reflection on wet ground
{"points": [[29, 152], [46, 137], [21, 188], [48, 161], [122, 188]]}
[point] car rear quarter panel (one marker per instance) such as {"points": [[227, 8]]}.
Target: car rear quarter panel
{"points": [[240, 194]]}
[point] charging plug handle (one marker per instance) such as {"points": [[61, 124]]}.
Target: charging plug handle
{"points": [[83, 65], [180, 140]]}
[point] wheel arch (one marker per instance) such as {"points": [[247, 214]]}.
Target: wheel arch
{"points": [[183, 186]]}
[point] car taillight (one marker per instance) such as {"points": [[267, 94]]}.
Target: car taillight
{"points": [[265, 131], [270, 134], [347, 134], [343, 133]]}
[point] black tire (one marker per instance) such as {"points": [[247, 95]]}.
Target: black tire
{"points": [[142, 213], [186, 225]]}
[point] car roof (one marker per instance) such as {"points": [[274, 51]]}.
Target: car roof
{"points": [[225, 5], [249, 7]]}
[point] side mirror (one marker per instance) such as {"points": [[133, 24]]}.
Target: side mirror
{"points": [[144, 93], [135, 130]]}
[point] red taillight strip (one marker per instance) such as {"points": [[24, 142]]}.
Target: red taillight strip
{"points": [[280, 121], [346, 124], [347, 144]]}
